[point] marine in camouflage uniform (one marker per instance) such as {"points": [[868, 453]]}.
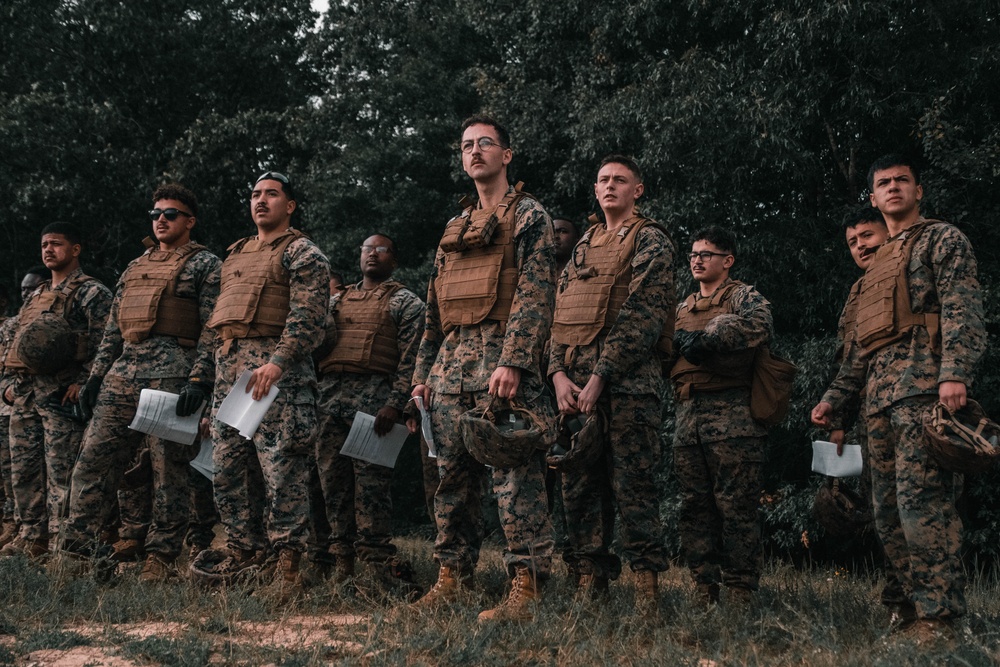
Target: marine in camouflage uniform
{"points": [[468, 365], [375, 380], [272, 335], [7, 330], [615, 302], [718, 446], [147, 349], [927, 355], [44, 436]]}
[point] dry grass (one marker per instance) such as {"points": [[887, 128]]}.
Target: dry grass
{"points": [[822, 618]]}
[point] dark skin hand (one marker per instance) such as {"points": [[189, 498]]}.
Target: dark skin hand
{"points": [[385, 419]]}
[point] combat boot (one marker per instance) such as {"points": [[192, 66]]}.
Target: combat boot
{"points": [[520, 604], [127, 549], [708, 593], [449, 583], [931, 633], [10, 531], [286, 575], [591, 586], [343, 569], [156, 569], [647, 592], [30, 548]]}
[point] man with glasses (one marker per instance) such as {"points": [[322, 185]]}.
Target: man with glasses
{"points": [[378, 325], [718, 446], [268, 320], [489, 310], [59, 329], [615, 303], [155, 338]]}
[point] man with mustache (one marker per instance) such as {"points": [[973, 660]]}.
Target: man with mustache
{"points": [[269, 318]]}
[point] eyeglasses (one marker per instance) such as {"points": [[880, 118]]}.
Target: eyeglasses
{"points": [[377, 249], [168, 213], [273, 176], [706, 255], [484, 143]]}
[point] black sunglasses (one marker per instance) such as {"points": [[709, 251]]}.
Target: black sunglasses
{"points": [[273, 176], [168, 213]]}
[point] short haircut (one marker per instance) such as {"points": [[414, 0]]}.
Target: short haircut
{"points": [[178, 192], [893, 160], [863, 215], [625, 161], [286, 182], [392, 241], [721, 238], [483, 119], [40, 270], [337, 277], [572, 223], [69, 230]]}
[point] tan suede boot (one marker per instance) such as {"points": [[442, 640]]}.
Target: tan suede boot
{"points": [[520, 604], [647, 592], [447, 588]]}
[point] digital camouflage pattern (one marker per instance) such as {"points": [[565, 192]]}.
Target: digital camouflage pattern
{"points": [[358, 502], [44, 441], [281, 450], [7, 331], [625, 357], [914, 499], [109, 446], [457, 367], [718, 453]]}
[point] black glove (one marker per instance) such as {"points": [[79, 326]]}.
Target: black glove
{"points": [[191, 397], [694, 347], [88, 396]]}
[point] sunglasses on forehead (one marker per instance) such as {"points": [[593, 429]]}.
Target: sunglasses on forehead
{"points": [[273, 176], [168, 213]]}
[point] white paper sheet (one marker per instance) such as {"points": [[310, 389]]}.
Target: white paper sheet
{"points": [[156, 415], [825, 460], [425, 427], [203, 462], [240, 411], [362, 443]]}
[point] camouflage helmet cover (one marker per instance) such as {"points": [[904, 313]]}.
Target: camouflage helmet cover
{"points": [[502, 438], [966, 441], [46, 345]]}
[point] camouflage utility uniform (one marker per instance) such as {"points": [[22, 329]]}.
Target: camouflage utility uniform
{"points": [[718, 447], [7, 330], [44, 440], [357, 495], [161, 362], [281, 449], [457, 364], [623, 353], [914, 498]]}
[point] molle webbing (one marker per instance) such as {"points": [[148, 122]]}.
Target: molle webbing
{"points": [[366, 333], [50, 300], [477, 284], [600, 273], [149, 305], [884, 313], [254, 299], [727, 370]]}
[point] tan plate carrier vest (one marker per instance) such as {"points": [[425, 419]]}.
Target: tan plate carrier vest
{"points": [[884, 310], [254, 298], [598, 286], [49, 301], [728, 370], [478, 275], [366, 333], [149, 305]]}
